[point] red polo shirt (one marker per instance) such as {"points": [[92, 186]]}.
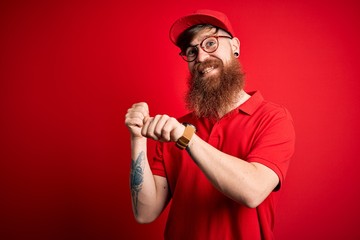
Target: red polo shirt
{"points": [[256, 131]]}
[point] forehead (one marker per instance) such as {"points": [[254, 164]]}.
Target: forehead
{"points": [[204, 33]]}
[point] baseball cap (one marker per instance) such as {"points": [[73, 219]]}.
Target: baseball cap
{"points": [[203, 16]]}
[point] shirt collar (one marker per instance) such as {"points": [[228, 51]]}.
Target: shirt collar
{"points": [[252, 103]]}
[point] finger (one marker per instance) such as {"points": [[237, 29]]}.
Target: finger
{"points": [[133, 122], [146, 119], [141, 107], [144, 105], [145, 127], [134, 118], [175, 129], [152, 125], [161, 132], [136, 113]]}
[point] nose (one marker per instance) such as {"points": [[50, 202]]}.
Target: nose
{"points": [[202, 55]]}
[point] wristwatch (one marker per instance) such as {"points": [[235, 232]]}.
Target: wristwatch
{"points": [[184, 140]]}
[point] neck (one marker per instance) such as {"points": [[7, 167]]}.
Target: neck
{"points": [[241, 98]]}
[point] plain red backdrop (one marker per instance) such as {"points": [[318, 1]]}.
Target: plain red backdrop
{"points": [[69, 70]]}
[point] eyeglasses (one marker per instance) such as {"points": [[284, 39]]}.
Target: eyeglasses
{"points": [[209, 45]]}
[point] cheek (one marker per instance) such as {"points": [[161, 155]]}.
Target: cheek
{"points": [[191, 67], [227, 59], [226, 55]]}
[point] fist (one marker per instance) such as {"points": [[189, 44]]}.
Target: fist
{"points": [[162, 128], [135, 118]]}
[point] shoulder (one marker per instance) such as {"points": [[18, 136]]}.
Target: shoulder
{"points": [[271, 108], [258, 107]]}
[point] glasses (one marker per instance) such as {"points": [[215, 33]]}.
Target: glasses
{"points": [[209, 45]]}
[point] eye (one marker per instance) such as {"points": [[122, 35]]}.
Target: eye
{"points": [[191, 51], [210, 43]]}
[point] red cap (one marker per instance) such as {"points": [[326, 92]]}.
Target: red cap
{"points": [[215, 18]]}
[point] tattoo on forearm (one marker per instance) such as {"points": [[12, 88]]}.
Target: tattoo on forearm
{"points": [[137, 178]]}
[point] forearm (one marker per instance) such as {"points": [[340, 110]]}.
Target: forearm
{"points": [[246, 183], [146, 200]]}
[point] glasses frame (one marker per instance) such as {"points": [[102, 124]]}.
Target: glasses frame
{"points": [[183, 54]]}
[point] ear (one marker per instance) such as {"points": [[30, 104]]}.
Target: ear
{"points": [[235, 45]]}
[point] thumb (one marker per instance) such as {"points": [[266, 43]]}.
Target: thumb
{"points": [[145, 119]]}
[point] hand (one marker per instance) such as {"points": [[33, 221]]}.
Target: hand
{"points": [[135, 118], [162, 128]]}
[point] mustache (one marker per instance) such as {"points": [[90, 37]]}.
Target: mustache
{"points": [[201, 66]]}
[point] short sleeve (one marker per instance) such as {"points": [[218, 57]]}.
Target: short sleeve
{"points": [[275, 143]]}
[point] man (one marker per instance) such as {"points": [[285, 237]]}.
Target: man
{"points": [[223, 164]]}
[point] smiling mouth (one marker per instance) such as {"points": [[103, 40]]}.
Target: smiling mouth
{"points": [[207, 70]]}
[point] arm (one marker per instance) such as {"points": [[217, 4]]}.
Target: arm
{"points": [[245, 182], [149, 193]]}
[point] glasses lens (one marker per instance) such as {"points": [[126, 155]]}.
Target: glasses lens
{"points": [[190, 54], [210, 44]]}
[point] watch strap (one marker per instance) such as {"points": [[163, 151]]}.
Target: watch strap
{"points": [[184, 140]]}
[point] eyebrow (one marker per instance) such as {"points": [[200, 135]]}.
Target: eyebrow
{"points": [[202, 39]]}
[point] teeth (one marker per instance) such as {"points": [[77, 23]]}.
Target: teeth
{"points": [[206, 70]]}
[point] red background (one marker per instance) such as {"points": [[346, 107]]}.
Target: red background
{"points": [[69, 70]]}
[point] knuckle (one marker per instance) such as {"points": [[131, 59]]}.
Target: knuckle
{"points": [[143, 105], [158, 132], [172, 119], [153, 136], [165, 130]]}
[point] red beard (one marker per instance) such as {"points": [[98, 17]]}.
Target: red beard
{"points": [[209, 96]]}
